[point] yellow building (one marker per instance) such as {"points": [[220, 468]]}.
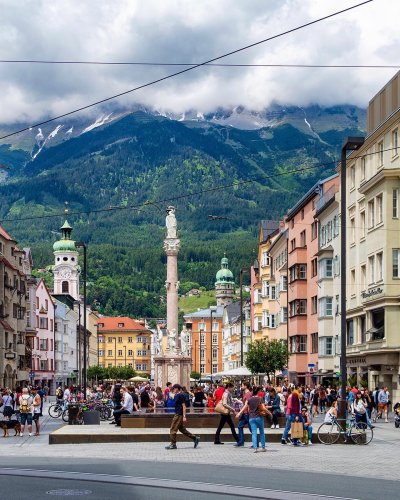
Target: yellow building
{"points": [[123, 341]]}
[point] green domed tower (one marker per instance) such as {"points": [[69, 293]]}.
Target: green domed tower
{"points": [[224, 284], [66, 270]]}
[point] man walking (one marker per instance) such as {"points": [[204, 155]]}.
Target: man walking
{"points": [[244, 417], [179, 420]]}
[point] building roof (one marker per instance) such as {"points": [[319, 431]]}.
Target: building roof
{"points": [[110, 323], [233, 311], [206, 313], [268, 227], [5, 235], [224, 275]]}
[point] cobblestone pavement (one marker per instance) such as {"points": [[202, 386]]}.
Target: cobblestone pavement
{"points": [[379, 459]]}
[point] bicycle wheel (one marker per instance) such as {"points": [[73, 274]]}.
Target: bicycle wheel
{"points": [[360, 433], [65, 415], [328, 433], [55, 410]]}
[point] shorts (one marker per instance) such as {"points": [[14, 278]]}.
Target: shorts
{"points": [[26, 418], [35, 417], [382, 406]]}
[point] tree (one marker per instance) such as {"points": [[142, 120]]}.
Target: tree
{"points": [[95, 373], [266, 356], [195, 375]]}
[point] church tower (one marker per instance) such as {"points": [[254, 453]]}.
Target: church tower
{"points": [[66, 270], [224, 284]]}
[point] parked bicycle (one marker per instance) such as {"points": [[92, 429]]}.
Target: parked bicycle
{"points": [[358, 432], [55, 410]]}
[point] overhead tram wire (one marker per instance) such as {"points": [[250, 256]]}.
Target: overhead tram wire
{"points": [[195, 193], [186, 70], [215, 65]]}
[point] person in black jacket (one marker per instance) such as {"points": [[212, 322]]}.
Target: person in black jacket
{"points": [[275, 408]]}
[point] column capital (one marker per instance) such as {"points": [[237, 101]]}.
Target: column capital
{"points": [[172, 246]]}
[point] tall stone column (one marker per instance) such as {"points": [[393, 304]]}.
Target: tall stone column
{"points": [[172, 246]]}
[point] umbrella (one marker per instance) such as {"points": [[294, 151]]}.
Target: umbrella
{"points": [[241, 371], [138, 379]]}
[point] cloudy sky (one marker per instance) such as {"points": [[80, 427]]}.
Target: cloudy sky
{"points": [[190, 31]]}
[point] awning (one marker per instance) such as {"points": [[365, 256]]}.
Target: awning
{"points": [[6, 325], [241, 371]]}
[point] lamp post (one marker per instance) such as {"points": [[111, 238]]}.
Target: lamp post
{"points": [[351, 144], [213, 310], [80, 244], [242, 270]]}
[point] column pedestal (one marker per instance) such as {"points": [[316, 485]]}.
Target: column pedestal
{"points": [[173, 368]]}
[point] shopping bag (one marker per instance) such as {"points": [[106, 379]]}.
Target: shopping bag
{"points": [[296, 430]]}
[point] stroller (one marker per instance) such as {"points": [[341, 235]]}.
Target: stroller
{"points": [[396, 410]]}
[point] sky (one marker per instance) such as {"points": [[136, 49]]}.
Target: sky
{"points": [[191, 31]]}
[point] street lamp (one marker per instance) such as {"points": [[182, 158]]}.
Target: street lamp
{"points": [[242, 270], [213, 310], [351, 144], [80, 244]]}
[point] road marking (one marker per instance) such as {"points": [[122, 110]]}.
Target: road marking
{"points": [[150, 482]]}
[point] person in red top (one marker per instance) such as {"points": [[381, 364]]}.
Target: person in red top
{"points": [[219, 393], [292, 415], [167, 391]]}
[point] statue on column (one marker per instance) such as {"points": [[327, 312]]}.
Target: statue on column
{"points": [[170, 222], [184, 342], [172, 341], [157, 341]]}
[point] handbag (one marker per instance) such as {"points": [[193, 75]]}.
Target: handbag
{"points": [[220, 408], [263, 410], [296, 430]]}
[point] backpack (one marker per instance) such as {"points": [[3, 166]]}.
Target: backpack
{"points": [[25, 406]]}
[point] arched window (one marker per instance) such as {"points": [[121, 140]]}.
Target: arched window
{"points": [[65, 287]]}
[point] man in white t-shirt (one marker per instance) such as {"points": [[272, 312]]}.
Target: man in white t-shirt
{"points": [[127, 406], [66, 397]]}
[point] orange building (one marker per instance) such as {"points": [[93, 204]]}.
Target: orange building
{"points": [[302, 292], [124, 341]]}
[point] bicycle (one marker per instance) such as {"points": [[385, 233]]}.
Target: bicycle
{"points": [[55, 410], [358, 432]]}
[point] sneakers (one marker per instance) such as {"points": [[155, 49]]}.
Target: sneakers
{"points": [[196, 441], [30, 434], [277, 426], [283, 441], [272, 426], [237, 445], [218, 442], [171, 447], [309, 443]]}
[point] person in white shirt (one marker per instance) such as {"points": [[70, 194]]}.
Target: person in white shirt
{"points": [[66, 397], [127, 406]]}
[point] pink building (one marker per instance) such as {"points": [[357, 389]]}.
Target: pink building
{"points": [[302, 292], [43, 343]]}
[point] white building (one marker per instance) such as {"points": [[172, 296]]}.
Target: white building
{"points": [[66, 348]]}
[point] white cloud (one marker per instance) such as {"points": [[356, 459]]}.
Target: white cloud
{"points": [[190, 31]]}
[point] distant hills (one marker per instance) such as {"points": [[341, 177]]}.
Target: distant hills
{"points": [[122, 158]]}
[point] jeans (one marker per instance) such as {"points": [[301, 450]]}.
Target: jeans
{"points": [[275, 415], [257, 423], [243, 421], [225, 419], [309, 432], [289, 420], [117, 415]]}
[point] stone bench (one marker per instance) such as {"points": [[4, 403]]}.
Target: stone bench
{"points": [[197, 420]]}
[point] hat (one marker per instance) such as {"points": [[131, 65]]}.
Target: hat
{"points": [[176, 386]]}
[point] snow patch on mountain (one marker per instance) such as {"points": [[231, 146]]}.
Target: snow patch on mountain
{"points": [[69, 131], [98, 123], [41, 142]]}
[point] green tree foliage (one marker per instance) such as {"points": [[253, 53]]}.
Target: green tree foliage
{"points": [[98, 374], [195, 375], [267, 357]]}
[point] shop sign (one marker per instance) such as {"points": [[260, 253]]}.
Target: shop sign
{"points": [[356, 361], [371, 293]]}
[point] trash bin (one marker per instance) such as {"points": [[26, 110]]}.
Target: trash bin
{"points": [[91, 417], [73, 414]]}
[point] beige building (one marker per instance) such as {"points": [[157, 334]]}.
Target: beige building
{"points": [[373, 249]]}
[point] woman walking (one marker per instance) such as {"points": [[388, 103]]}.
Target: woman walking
{"points": [[227, 403], [256, 421]]}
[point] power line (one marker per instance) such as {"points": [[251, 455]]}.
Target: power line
{"points": [[195, 193], [153, 82], [215, 65]]}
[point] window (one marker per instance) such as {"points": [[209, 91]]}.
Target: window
{"points": [[109, 352], [214, 353], [314, 304], [329, 231], [298, 343], [266, 260], [352, 177], [303, 238], [272, 293], [214, 368], [202, 326], [283, 315], [298, 272], [363, 167], [215, 326], [265, 288], [202, 354], [323, 236], [379, 266], [379, 209], [142, 340], [380, 154], [202, 338], [314, 342], [272, 320], [65, 287], [395, 142], [100, 339], [395, 263], [371, 265], [283, 283], [100, 325], [43, 344], [43, 323], [371, 214], [44, 365], [350, 332], [214, 338], [326, 346], [395, 204], [130, 340], [363, 276], [202, 369], [314, 230], [101, 352], [265, 319], [298, 307], [141, 352], [293, 244], [141, 367], [130, 352], [109, 340], [352, 230], [335, 225], [325, 307], [363, 329], [325, 268], [121, 325], [120, 340], [119, 352], [352, 281], [362, 221]]}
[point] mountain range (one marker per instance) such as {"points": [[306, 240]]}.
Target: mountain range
{"points": [[119, 170]]}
